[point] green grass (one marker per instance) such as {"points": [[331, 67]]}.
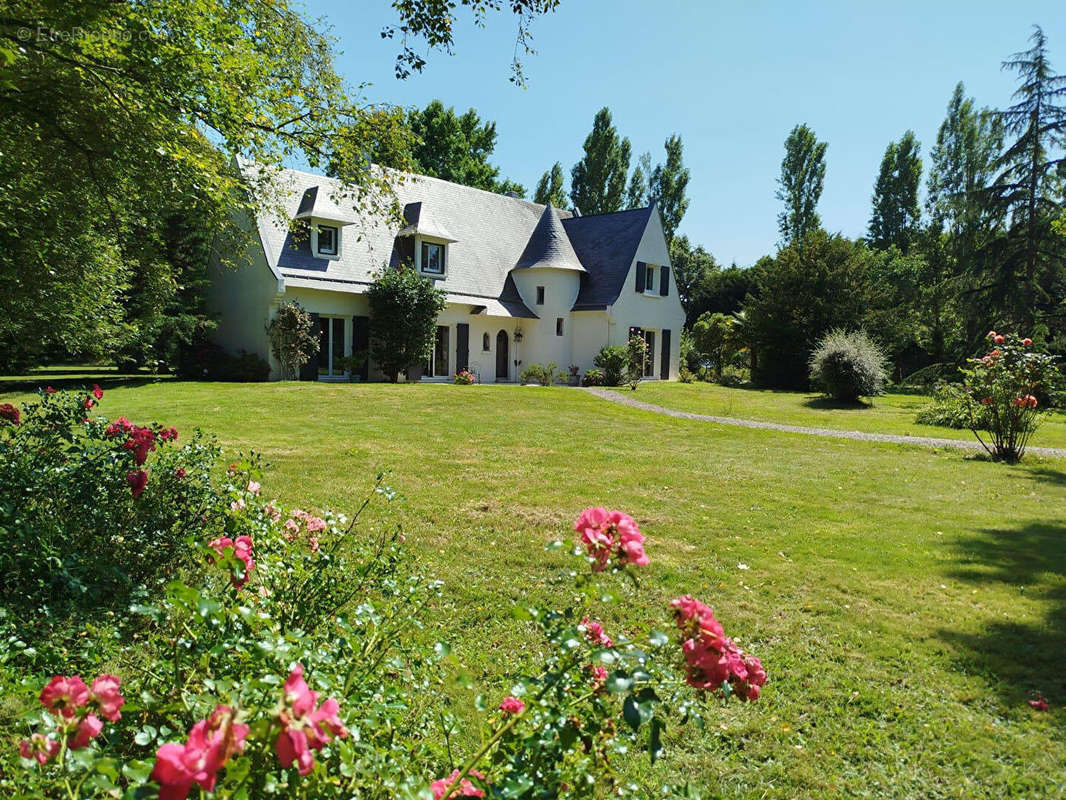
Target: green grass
{"points": [[903, 599], [890, 413]]}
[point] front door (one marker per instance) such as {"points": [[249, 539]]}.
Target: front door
{"points": [[503, 357], [437, 365]]}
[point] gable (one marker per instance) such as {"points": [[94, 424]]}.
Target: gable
{"points": [[606, 245]]}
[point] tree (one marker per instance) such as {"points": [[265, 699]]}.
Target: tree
{"points": [[961, 225], [637, 193], [598, 180], [550, 187], [1028, 186], [800, 184], [714, 336], [292, 339], [403, 308], [692, 267], [810, 287], [456, 148], [896, 213], [668, 186]]}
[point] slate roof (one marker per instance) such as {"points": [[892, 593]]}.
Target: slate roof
{"points": [[491, 233], [606, 245], [316, 202], [549, 246]]}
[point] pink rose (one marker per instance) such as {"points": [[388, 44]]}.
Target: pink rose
{"points": [[39, 747], [512, 705], [595, 634], [98, 393], [88, 729], [63, 696], [253, 487], [105, 693], [441, 786], [305, 728], [998, 339]]}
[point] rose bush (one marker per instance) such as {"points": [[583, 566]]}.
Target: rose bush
{"points": [[1001, 393], [278, 660]]}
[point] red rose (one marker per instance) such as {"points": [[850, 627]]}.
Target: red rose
{"points": [[10, 413], [137, 480], [98, 393], [1027, 342]]}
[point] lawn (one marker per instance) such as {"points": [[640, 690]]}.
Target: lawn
{"points": [[904, 600], [890, 413]]}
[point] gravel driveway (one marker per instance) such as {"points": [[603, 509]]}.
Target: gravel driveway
{"points": [[925, 441]]}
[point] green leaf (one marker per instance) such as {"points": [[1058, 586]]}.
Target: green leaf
{"points": [[630, 713], [618, 682], [655, 744], [658, 639]]}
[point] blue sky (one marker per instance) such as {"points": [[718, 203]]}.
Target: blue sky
{"points": [[731, 78]]}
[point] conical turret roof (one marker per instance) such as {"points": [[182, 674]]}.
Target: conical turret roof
{"points": [[549, 246]]}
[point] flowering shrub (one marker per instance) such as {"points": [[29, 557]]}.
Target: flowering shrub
{"points": [[637, 355], [91, 508], [278, 661], [1001, 392], [464, 377]]}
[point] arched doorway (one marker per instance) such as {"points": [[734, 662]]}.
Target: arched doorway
{"points": [[503, 357]]}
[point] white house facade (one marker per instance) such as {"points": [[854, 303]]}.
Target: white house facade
{"points": [[524, 283]]}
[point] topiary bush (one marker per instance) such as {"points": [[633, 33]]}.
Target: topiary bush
{"points": [[848, 365]]}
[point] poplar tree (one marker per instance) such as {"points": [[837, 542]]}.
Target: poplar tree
{"points": [[896, 213], [668, 186], [800, 184], [550, 187], [637, 194], [598, 180]]}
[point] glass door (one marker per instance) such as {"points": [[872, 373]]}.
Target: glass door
{"points": [[437, 364], [330, 347]]}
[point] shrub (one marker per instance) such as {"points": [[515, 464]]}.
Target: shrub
{"points": [[282, 661], [210, 362], [684, 375], [464, 377], [594, 377], [613, 360], [545, 375], [404, 306], [847, 366], [637, 354], [292, 338], [89, 509], [1001, 394], [948, 408], [714, 336]]}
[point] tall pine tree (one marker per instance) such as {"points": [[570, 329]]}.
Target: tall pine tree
{"points": [[896, 214], [1028, 186], [800, 184], [598, 180]]}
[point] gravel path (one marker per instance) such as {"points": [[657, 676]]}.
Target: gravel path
{"points": [[925, 441]]}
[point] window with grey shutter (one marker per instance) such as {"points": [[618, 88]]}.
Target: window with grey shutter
{"points": [[664, 281], [641, 269]]}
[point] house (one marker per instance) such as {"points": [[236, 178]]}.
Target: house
{"points": [[525, 283]]}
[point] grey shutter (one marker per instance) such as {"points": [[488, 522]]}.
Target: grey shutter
{"points": [[664, 362], [309, 371], [361, 344], [641, 269], [462, 346], [664, 281]]}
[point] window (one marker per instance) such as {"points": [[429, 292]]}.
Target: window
{"points": [[437, 364], [558, 326], [330, 346], [327, 240], [432, 258], [485, 342], [540, 295], [649, 279]]}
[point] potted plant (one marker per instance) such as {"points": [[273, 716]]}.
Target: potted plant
{"points": [[574, 379]]}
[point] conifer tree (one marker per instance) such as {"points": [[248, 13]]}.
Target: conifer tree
{"points": [[800, 184], [598, 180], [550, 187], [896, 213]]}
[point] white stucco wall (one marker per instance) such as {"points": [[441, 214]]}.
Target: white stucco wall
{"points": [[540, 343], [650, 311]]}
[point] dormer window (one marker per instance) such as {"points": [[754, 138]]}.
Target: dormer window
{"points": [[327, 240], [431, 258]]}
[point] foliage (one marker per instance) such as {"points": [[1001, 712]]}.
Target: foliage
{"points": [[667, 187], [453, 147], [212, 363], [614, 361], [800, 184], [637, 195], [544, 374], [685, 375], [293, 339], [404, 307], [948, 409], [1028, 187], [550, 187], [598, 180], [91, 509], [693, 271], [809, 288], [848, 365], [285, 654], [594, 377], [896, 214], [637, 354], [1001, 393], [714, 336], [464, 377]]}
